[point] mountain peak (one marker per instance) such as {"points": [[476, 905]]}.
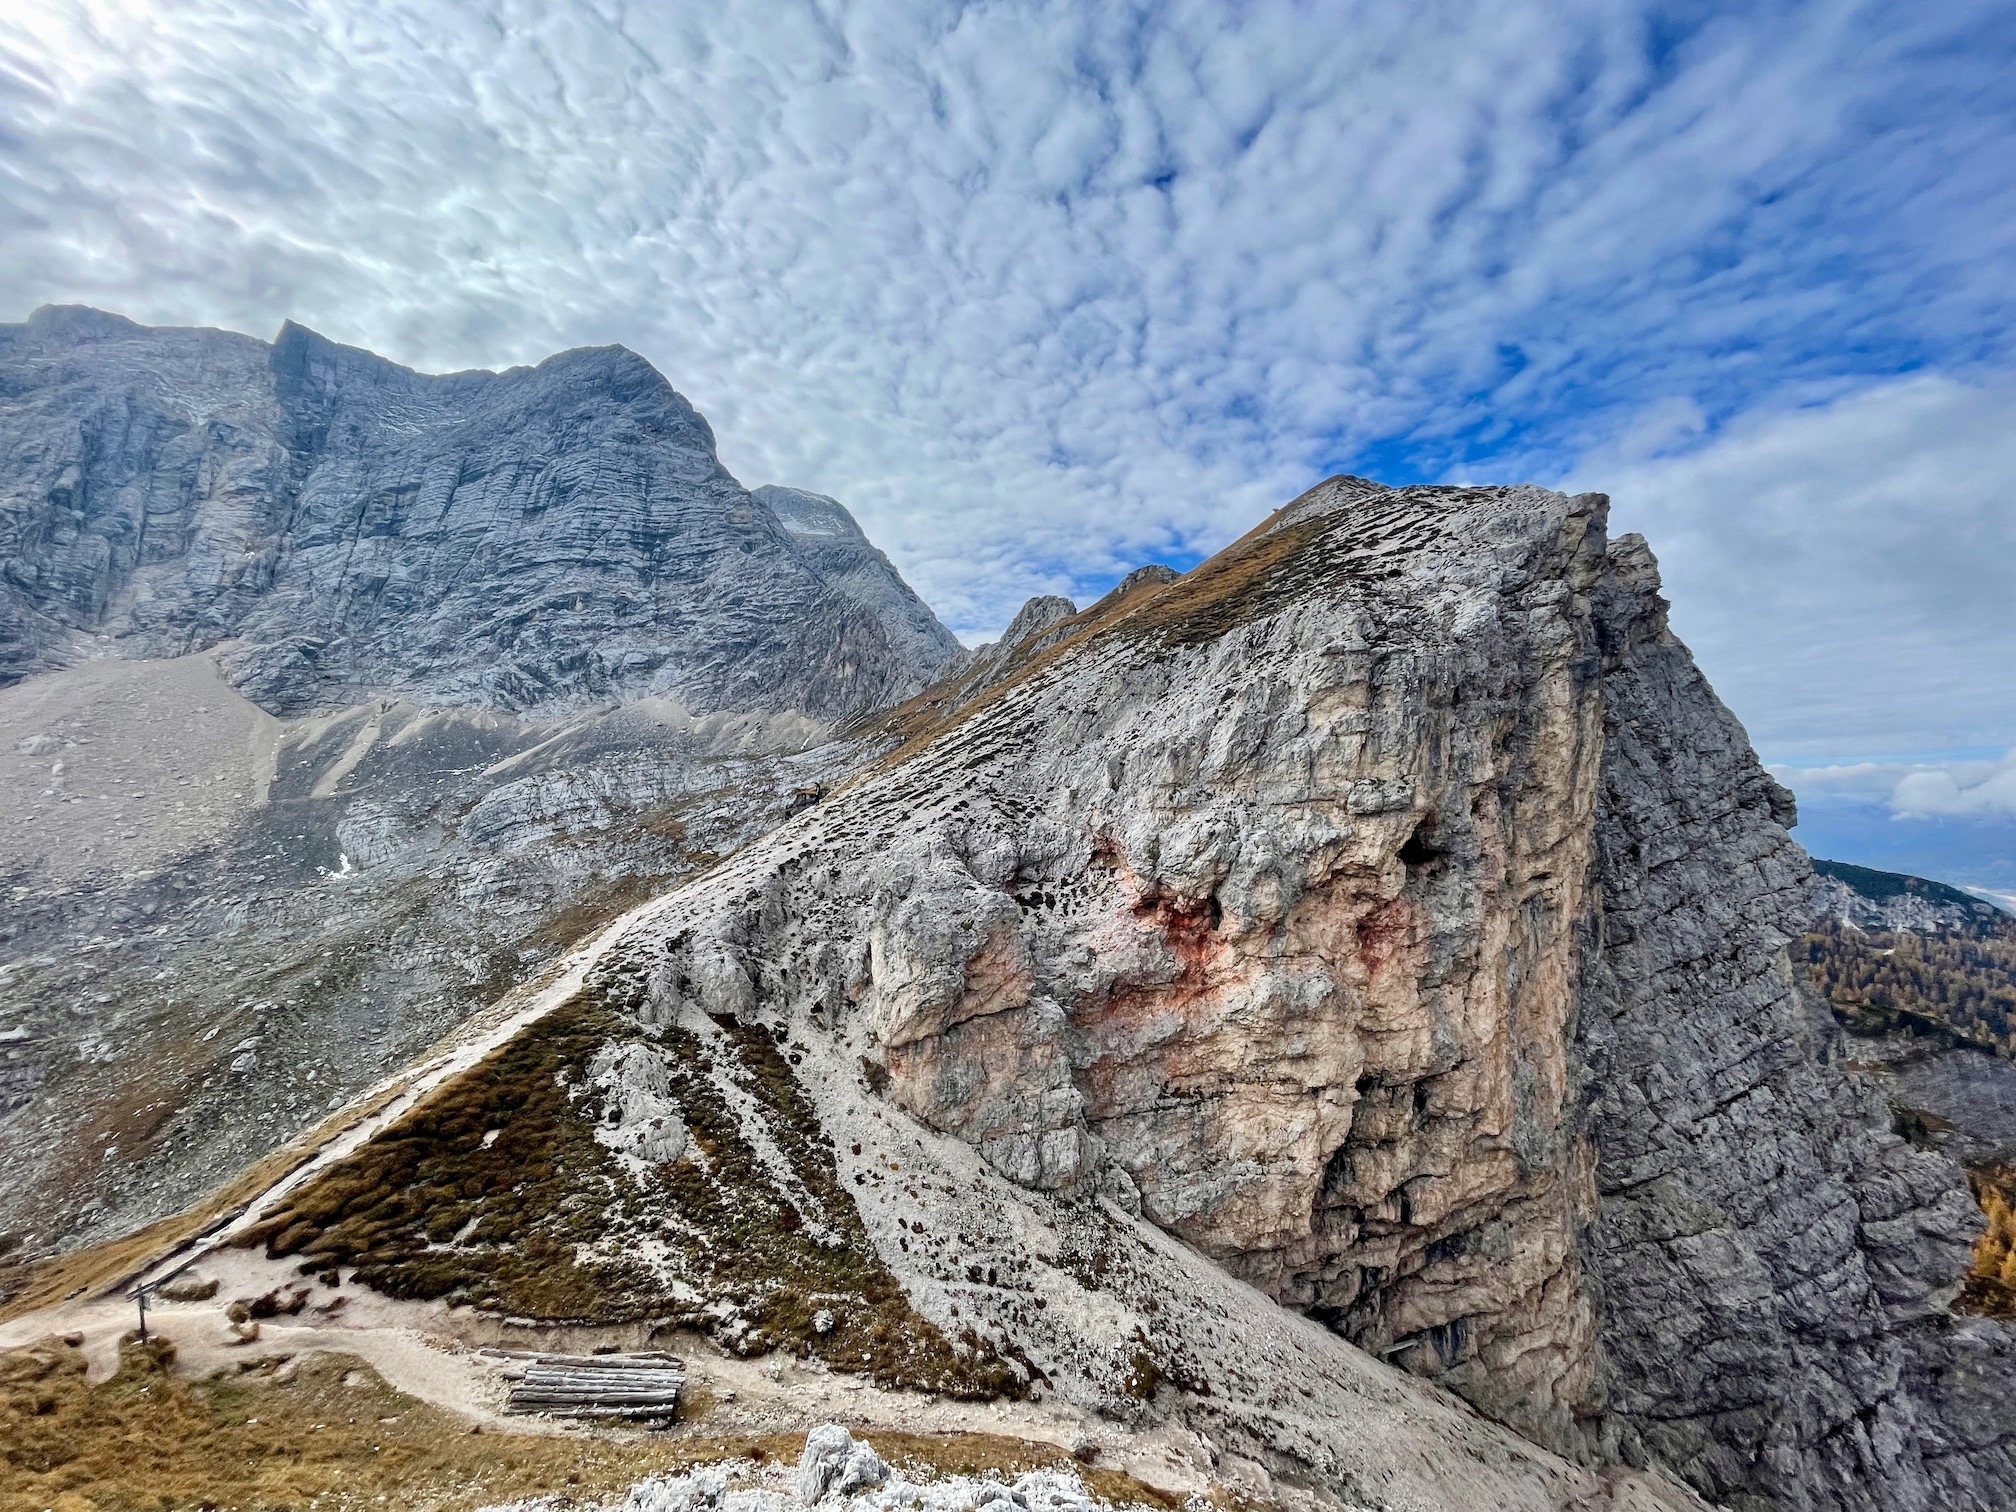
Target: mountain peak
{"points": [[543, 539]]}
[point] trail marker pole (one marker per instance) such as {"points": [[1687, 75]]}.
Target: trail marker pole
{"points": [[140, 1296]]}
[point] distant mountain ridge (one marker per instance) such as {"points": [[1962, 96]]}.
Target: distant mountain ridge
{"points": [[1871, 899], [538, 540]]}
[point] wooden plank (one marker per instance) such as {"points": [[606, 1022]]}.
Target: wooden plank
{"points": [[654, 1355], [644, 1413], [642, 1386]]}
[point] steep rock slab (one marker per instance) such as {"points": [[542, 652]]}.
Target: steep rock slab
{"points": [[1249, 904], [535, 540], [1774, 1263]]}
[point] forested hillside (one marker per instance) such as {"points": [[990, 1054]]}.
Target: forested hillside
{"points": [[1880, 981]]}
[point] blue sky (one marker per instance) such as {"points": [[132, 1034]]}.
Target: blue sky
{"points": [[1045, 291]]}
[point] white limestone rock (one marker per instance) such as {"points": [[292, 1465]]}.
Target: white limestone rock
{"points": [[640, 1120], [836, 1464]]}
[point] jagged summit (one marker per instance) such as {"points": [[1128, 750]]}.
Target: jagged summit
{"points": [[541, 539], [1036, 616]]}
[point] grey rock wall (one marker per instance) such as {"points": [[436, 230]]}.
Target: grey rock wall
{"points": [[534, 653], [544, 539], [1772, 1263], [828, 537]]}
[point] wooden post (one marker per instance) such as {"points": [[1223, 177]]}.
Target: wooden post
{"points": [[140, 1296]]}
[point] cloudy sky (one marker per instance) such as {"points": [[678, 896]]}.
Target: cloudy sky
{"points": [[1045, 291]]}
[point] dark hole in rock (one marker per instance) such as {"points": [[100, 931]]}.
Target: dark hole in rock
{"points": [[1420, 849]]}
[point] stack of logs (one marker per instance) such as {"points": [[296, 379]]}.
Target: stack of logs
{"points": [[642, 1386]]}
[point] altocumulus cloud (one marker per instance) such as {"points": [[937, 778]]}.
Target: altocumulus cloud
{"points": [[1845, 571], [1047, 290]]}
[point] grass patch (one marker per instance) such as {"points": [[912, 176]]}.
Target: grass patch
{"points": [[327, 1431], [495, 1192], [487, 1191], [29, 1285]]}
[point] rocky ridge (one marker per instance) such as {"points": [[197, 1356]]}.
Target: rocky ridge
{"points": [[544, 539], [1385, 910], [1890, 901]]}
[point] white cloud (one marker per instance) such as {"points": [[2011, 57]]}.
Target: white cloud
{"points": [[1855, 782], [1044, 290], [1845, 572], [1947, 788], [1969, 788]]}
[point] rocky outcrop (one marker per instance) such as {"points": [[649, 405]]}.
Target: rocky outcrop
{"points": [[1252, 905], [539, 540], [1390, 911]]}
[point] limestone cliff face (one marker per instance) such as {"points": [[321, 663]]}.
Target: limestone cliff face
{"points": [[1389, 912], [1253, 903], [538, 540], [1774, 1264]]}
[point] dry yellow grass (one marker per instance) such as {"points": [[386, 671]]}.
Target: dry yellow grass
{"points": [[1991, 1281], [329, 1433], [24, 1288]]}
